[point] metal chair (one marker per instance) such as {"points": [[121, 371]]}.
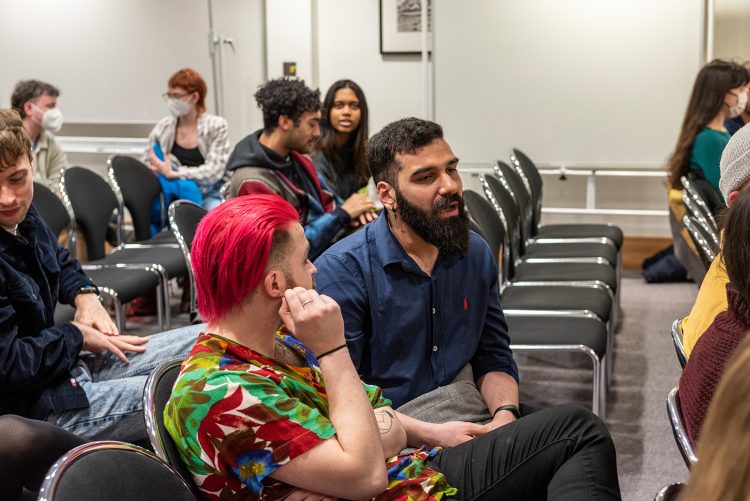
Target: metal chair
{"points": [[121, 276], [678, 428], [55, 214], [184, 217], [679, 348], [545, 318], [669, 492], [701, 240], [113, 471], [699, 213], [156, 394], [532, 180]]}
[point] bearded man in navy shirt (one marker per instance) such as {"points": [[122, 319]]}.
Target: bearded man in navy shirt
{"points": [[419, 294]]}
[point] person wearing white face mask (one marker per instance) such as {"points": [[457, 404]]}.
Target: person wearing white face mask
{"points": [[193, 145], [736, 123], [36, 102]]}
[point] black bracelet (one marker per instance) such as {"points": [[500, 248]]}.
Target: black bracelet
{"points": [[508, 407], [330, 351]]}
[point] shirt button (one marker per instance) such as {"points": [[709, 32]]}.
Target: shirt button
{"points": [[433, 311], [434, 348]]}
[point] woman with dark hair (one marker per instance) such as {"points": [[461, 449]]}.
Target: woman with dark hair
{"points": [[719, 93], [714, 348], [341, 157], [190, 144]]}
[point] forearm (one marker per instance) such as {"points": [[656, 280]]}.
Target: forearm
{"points": [[418, 433], [392, 432], [350, 410], [498, 388]]}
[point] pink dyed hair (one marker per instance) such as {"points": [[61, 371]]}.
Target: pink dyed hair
{"points": [[231, 248]]}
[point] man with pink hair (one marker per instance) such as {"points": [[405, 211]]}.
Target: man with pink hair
{"points": [[268, 405]]}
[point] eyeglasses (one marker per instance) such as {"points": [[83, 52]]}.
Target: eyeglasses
{"points": [[169, 95]]}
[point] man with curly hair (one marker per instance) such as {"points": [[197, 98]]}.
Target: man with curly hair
{"points": [[274, 160]]}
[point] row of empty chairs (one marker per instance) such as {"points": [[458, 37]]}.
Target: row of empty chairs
{"points": [[131, 269], [559, 284]]}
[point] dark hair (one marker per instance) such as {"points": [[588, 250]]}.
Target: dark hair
{"points": [[191, 81], [14, 142], [713, 82], [26, 90], [736, 244], [285, 96], [404, 136], [357, 139]]}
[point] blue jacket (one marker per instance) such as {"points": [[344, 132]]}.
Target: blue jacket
{"points": [[35, 355]]}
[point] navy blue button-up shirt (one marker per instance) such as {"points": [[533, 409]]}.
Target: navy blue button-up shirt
{"points": [[409, 332]]}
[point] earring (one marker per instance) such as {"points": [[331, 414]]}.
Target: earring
{"points": [[395, 216]]}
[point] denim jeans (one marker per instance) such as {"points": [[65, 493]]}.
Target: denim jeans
{"points": [[563, 453], [115, 389]]}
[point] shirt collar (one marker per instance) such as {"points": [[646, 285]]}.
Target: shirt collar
{"points": [[25, 229], [391, 252]]}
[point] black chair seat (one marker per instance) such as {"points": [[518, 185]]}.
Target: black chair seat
{"points": [[541, 331], [595, 300], [170, 258], [563, 250], [163, 237], [563, 272], [581, 231], [129, 284]]}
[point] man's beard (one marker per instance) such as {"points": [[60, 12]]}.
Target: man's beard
{"points": [[450, 235]]}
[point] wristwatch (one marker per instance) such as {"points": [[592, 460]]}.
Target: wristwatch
{"points": [[87, 289]]}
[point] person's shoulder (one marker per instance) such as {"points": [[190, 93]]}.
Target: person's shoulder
{"points": [[709, 137], [478, 247], [214, 121], [351, 247]]}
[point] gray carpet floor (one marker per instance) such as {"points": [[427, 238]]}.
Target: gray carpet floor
{"points": [[645, 369]]}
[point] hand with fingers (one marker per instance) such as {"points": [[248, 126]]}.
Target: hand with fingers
{"points": [[89, 311], [313, 319], [360, 208], [96, 342], [452, 433]]}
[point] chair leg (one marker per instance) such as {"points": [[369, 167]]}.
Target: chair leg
{"points": [[160, 307], [606, 362], [119, 315]]}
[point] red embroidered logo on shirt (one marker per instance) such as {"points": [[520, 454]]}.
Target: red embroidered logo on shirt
{"points": [[466, 304]]}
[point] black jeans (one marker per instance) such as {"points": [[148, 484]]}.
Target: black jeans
{"points": [[560, 453]]}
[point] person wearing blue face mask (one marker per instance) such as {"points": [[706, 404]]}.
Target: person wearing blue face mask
{"points": [[36, 102], [193, 145]]}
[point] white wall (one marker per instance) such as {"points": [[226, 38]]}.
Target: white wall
{"points": [[289, 36], [110, 59], [576, 81], [348, 39]]}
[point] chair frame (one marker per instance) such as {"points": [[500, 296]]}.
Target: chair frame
{"points": [[162, 303], [706, 251], [51, 482], [695, 211], [71, 219], [599, 365], [185, 248], [679, 347], [149, 406], [678, 428], [693, 193]]}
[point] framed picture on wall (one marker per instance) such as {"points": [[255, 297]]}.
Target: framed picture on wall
{"points": [[401, 26]]}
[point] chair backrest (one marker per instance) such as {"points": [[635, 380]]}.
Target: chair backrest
{"points": [[51, 209], [507, 211], [139, 187], [513, 183], [156, 394], [532, 180], [713, 200], [701, 239], [113, 471], [678, 428], [184, 217], [484, 215], [93, 203], [697, 203], [669, 492], [679, 348]]}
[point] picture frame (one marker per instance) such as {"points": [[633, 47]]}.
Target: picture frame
{"points": [[400, 27]]}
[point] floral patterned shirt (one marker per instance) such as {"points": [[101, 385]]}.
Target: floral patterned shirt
{"points": [[236, 416]]}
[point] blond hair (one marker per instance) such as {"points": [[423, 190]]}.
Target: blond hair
{"points": [[723, 468]]}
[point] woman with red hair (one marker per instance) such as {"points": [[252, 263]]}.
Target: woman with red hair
{"points": [[192, 144]]}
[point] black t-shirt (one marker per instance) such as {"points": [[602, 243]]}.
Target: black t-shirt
{"points": [[188, 157]]}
